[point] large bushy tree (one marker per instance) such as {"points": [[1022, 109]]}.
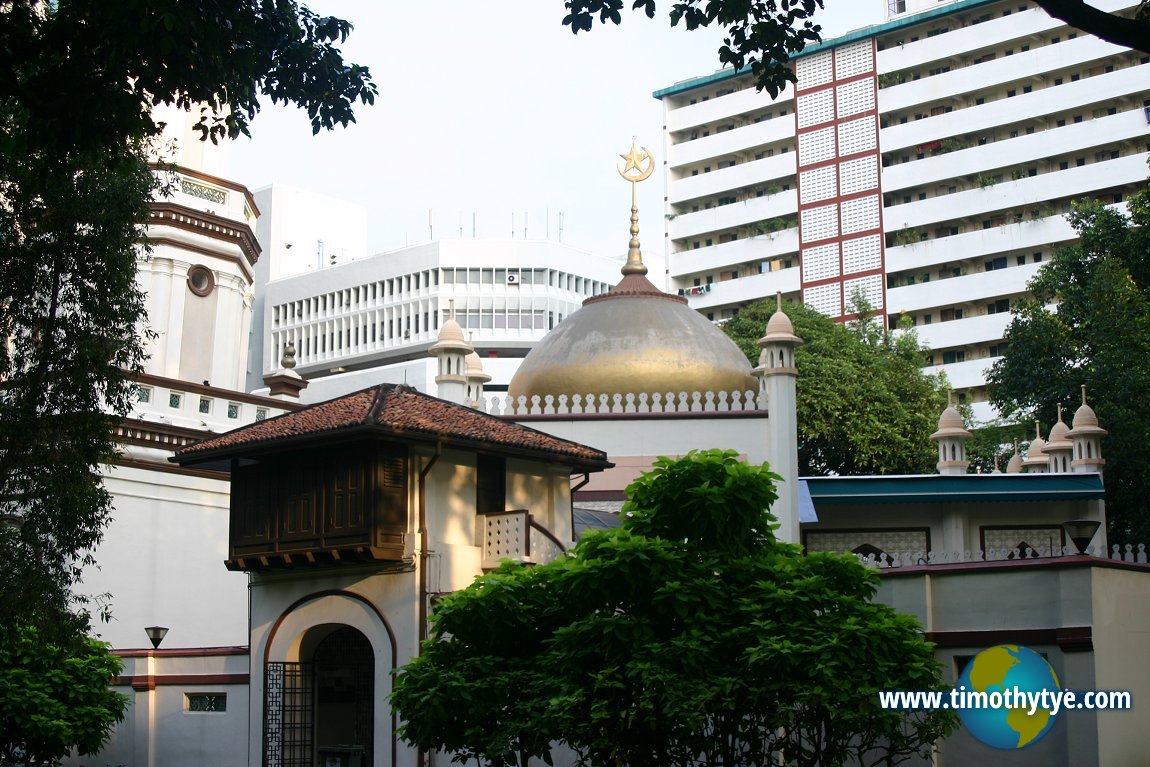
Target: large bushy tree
{"points": [[78, 81], [691, 636], [864, 404], [1089, 324], [54, 699]]}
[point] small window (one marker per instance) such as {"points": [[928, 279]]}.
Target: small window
{"points": [[233, 410], [201, 281], [206, 702], [175, 399], [144, 394], [205, 405], [261, 413]]}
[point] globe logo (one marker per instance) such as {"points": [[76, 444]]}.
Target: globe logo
{"points": [[995, 671]]}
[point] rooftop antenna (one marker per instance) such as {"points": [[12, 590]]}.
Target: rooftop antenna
{"points": [[560, 226], [430, 228], [525, 225]]}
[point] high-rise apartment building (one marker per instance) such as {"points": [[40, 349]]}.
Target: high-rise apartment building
{"points": [[925, 163]]}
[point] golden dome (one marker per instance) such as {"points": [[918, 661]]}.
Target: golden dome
{"points": [[633, 339]]}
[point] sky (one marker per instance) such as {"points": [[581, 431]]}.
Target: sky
{"points": [[494, 114]]}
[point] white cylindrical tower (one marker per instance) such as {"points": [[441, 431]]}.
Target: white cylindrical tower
{"points": [[951, 439], [1035, 461], [1058, 446], [777, 373], [1086, 437], [451, 349], [476, 377]]}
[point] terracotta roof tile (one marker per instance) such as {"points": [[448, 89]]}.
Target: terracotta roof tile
{"points": [[397, 409]]}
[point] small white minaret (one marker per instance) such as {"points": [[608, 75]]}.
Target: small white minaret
{"points": [[476, 377], [1035, 461], [451, 349], [951, 438], [776, 373], [1058, 446], [1014, 465], [1086, 437]]}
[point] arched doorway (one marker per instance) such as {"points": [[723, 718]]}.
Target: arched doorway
{"points": [[344, 704], [319, 711]]}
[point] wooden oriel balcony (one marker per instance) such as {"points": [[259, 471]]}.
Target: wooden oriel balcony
{"points": [[345, 505]]}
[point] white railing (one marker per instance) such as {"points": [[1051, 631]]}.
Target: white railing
{"points": [[891, 559], [630, 402]]}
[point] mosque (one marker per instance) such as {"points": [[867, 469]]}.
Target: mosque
{"points": [[349, 517]]}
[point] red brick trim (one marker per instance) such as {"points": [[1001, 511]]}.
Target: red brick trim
{"points": [[145, 682]]}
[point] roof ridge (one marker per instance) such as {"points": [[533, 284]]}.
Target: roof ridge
{"points": [[379, 400]]}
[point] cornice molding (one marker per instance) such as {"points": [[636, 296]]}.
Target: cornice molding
{"points": [[207, 224]]}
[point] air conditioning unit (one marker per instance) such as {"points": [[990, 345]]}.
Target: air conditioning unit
{"points": [[513, 279]]}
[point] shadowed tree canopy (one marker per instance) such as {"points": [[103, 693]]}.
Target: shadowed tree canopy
{"points": [[78, 80], [764, 35], [1097, 334], [864, 404], [54, 700], [690, 637]]}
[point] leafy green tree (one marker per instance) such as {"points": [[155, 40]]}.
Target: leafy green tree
{"points": [[54, 700], [763, 35], [691, 636], [864, 404], [1098, 335], [78, 80]]}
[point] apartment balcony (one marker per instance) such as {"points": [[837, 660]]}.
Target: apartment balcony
{"points": [[983, 243], [731, 142], [975, 288], [722, 107], [1073, 183], [747, 289], [964, 375], [992, 33], [1106, 89], [999, 72], [744, 213], [729, 179], [728, 255], [981, 329]]}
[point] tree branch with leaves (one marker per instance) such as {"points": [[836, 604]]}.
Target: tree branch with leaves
{"points": [[78, 81]]}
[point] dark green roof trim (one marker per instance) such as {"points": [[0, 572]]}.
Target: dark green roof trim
{"points": [[969, 488], [859, 34]]}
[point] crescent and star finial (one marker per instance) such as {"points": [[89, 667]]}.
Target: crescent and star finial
{"points": [[634, 172]]}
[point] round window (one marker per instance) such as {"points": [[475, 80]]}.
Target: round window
{"points": [[201, 280]]}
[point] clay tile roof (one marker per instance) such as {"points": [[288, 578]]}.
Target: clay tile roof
{"points": [[397, 411]]}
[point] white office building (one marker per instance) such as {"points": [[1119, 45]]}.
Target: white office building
{"points": [[927, 162], [372, 320]]}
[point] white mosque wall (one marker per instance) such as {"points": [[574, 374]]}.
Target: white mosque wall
{"points": [[162, 561], [162, 726], [1121, 614], [1087, 616]]}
